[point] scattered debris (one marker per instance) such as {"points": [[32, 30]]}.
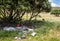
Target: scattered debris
{"points": [[33, 33], [17, 38], [9, 28], [23, 31], [30, 30], [22, 27], [19, 28], [18, 25], [23, 36]]}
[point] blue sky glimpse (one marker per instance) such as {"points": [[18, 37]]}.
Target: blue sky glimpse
{"points": [[55, 3]]}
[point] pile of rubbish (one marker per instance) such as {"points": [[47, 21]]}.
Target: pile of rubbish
{"points": [[23, 31]]}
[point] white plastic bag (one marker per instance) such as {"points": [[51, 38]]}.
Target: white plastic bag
{"points": [[33, 33], [9, 28]]}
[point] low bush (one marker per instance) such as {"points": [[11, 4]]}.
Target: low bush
{"points": [[55, 12]]}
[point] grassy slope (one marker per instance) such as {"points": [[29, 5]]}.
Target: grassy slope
{"points": [[49, 31]]}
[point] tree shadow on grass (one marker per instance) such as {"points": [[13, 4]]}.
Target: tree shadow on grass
{"points": [[38, 23], [31, 24]]}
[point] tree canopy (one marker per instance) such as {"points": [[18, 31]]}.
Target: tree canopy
{"points": [[12, 10]]}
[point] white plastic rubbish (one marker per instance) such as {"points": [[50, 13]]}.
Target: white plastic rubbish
{"points": [[19, 27], [22, 28], [33, 33], [19, 38], [30, 30], [16, 38], [9, 28]]}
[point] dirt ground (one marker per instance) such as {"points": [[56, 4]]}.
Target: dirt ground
{"points": [[49, 17]]}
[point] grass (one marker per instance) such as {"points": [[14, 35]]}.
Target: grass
{"points": [[48, 31], [8, 33]]}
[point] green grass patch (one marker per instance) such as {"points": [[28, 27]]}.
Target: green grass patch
{"points": [[8, 33], [54, 39], [42, 29]]}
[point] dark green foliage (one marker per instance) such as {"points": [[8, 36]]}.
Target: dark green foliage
{"points": [[14, 10], [55, 12]]}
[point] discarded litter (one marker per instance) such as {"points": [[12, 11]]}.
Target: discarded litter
{"points": [[18, 25], [33, 33], [9, 28], [17, 38], [30, 30], [22, 27], [23, 31], [23, 37]]}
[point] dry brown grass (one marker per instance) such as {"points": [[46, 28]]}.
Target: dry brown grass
{"points": [[46, 16], [49, 17]]}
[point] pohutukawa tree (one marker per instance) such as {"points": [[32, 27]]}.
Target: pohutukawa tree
{"points": [[12, 10]]}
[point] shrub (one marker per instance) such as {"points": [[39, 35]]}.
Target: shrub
{"points": [[55, 12]]}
